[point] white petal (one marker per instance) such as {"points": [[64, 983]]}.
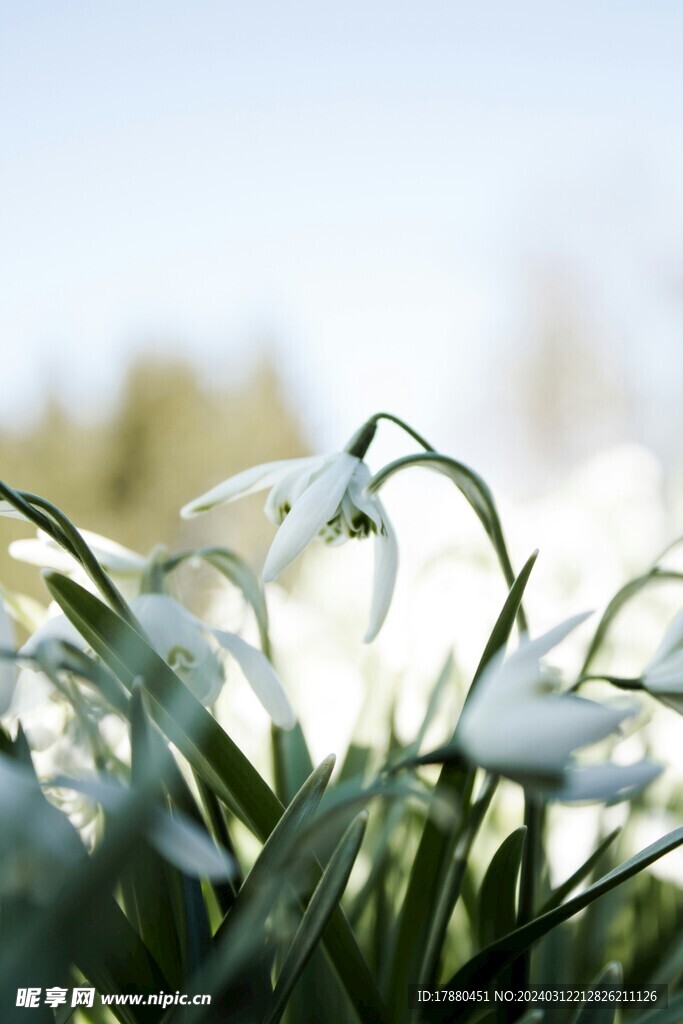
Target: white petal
{"points": [[538, 735], [182, 843], [520, 674], [58, 627], [290, 487], [115, 558], [607, 781], [10, 512], [261, 676], [665, 676], [257, 478], [43, 551], [177, 636], [386, 567], [671, 642], [316, 506], [8, 669]]}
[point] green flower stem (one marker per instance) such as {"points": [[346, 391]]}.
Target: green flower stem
{"points": [[390, 418], [452, 882], [153, 577], [362, 439], [60, 528], [477, 493], [532, 865], [618, 681]]}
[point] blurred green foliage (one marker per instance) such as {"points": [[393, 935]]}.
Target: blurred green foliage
{"points": [[169, 437]]}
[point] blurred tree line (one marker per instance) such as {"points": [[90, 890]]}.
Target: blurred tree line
{"points": [[169, 438]]}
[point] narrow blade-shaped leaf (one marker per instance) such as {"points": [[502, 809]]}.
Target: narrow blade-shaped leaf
{"points": [[326, 897], [498, 895], [601, 1011], [485, 965]]}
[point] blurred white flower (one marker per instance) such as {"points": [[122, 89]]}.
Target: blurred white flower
{"points": [[183, 641], [663, 674], [8, 669], [43, 551], [516, 724], [323, 496]]}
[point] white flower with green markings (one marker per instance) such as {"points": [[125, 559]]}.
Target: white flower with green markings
{"points": [[323, 496], [517, 724], [192, 648]]}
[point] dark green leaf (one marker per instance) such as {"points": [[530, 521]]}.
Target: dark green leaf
{"points": [[499, 955], [498, 895], [602, 1012], [326, 897], [208, 749]]}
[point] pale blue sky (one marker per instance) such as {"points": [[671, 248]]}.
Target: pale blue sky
{"points": [[371, 185]]}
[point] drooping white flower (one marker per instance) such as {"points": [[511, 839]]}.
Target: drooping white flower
{"points": [[663, 674], [184, 642], [517, 724], [322, 496]]}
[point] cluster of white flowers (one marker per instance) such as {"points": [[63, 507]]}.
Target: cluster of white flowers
{"points": [[517, 721]]}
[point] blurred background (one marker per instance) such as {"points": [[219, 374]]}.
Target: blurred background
{"points": [[230, 232]]}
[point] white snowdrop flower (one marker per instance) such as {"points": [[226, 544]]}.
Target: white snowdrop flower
{"points": [[663, 674], [183, 641], [517, 724], [323, 496]]}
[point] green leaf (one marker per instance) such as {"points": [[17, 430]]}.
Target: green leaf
{"points": [[241, 938], [622, 597], [498, 895], [602, 1012], [105, 946], [478, 972], [437, 843], [562, 891], [154, 892], [208, 749], [326, 897], [291, 760], [671, 1014], [83, 925], [280, 844]]}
